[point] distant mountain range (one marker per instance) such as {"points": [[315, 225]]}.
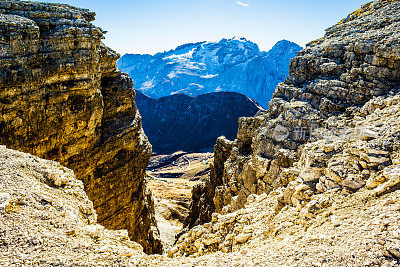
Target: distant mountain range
{"points": [[193, 69], [192, 124]]}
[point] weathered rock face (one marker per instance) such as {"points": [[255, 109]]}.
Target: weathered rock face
{"points": [[202, 205], [62, 98], [50, 218], [334, 123], [192, 124], [337, 230]]}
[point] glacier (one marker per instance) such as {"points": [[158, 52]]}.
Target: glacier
{"points": [[235, 65]]}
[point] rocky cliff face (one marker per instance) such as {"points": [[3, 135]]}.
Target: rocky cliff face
{"points": [[192, 124], [203, 206], [235, 65], [62, 98], [332, 125]]}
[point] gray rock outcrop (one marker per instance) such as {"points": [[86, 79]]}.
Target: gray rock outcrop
{"points": [[334, 122]]}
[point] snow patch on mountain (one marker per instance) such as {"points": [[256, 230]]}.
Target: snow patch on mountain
{"points": [[193, 69]]}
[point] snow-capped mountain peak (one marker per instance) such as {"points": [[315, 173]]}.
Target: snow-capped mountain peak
{"points": [[196, 68], [239, 38]]}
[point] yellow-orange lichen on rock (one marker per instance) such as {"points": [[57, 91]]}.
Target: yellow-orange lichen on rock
{"points": [[62, 98]]}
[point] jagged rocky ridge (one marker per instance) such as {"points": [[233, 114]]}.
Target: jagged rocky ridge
{"points": [[235, 65], [331, 137], [62, 98], [192, 124]]}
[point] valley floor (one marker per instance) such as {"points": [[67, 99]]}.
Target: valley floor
{"points": [[171, 179]]}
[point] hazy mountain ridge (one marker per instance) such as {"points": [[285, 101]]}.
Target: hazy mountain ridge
{"points": [[193, 69], [181, 122]]}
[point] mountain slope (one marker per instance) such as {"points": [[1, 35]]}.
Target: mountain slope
{"points": [[63, 98], [192, 124], [230, 65], [49, 220], [329, 143]]}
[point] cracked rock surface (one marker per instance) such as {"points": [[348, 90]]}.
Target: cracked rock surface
{"points": [[334, 122], [62, 98], [50, 220], [332, 133]]}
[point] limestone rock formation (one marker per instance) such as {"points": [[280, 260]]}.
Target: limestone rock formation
{"points": [[49, 219], [202, 205], [192, 124], [334, 124], [62, 98], [353, 230]]}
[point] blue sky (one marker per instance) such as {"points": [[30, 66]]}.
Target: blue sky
{"points": [[150, 26]]}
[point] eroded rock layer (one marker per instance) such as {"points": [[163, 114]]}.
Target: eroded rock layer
{"points": [[62, 98], [333, 124], [47, 219]]}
